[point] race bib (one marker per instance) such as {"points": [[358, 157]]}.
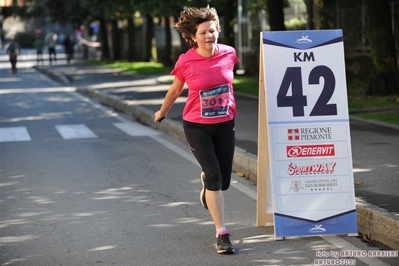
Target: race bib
{"points": [[215, 101]]}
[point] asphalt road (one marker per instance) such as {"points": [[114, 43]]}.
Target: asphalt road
{"points": [[82, 184]]}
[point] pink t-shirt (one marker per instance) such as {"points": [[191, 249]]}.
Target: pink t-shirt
{"points": [[210, 85]]}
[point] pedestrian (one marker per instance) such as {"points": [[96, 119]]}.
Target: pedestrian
{"points": [[2, 38], [69, 44], [39, 44], [210, 109], [51, 41], [13, 51]]}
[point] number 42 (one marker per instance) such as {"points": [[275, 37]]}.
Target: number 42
{"points": [[298, 101]]}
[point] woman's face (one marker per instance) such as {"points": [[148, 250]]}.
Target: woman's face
{"points": [[206, 36]]}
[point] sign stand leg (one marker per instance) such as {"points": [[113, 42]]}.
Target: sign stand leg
{"points": [[263, 167]]}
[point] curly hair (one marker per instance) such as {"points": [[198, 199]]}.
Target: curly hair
{"points": [[190, 18]]}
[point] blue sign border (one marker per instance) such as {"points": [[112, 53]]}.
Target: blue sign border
{"points": [[302, 40]]}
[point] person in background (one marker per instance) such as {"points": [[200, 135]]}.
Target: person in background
{"points": [[50, 41], [13, 51], [2, 38], [39, 45], [210, 109], [69, 44]]}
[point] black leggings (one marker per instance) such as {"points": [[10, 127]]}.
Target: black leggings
{"points": [[213, 147], [13, 65]]}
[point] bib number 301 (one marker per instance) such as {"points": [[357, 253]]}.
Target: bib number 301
{"points": [[297, 100]]}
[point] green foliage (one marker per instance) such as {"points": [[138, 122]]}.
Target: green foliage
{"points": [[246, 85], [25, 39], [392, 118], [64, 12], [27, 11], [137, 68], [295, 24], [358, 67], [359, 102]]}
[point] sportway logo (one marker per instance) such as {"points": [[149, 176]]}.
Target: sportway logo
{"points": [[303, 39], [318, 228], [322, 168]]}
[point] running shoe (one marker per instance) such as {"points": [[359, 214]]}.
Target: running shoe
{"points": [[202, 193], [223, 244]]}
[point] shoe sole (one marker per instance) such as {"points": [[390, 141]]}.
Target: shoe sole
{"points": [[202, 193], [228, 251]]}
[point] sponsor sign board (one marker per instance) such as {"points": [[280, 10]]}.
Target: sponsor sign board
{"points": [[308, 131]]}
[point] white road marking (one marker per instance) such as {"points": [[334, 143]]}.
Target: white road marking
{"points": [[136, 129], [75, 131], [10, 134], [332, 239]]}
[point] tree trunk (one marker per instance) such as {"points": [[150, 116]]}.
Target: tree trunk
{"points": [[275, 10], [167, 57], [104, 40], [230, 11], [131, 29], [309, 7], [385, 79], [116, 40], [149, 36]]}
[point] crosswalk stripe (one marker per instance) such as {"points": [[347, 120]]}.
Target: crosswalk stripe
{"points": [[10, 134], [136, 129], [79, 131], [75, 131]]}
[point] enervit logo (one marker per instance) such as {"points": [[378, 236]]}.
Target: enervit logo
{"points": [[311, 150]]}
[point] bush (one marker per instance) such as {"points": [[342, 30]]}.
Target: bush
{"points": [[358, 68], [25, 39]]}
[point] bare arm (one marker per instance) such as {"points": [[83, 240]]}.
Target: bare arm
{"points": [[173, 93]]}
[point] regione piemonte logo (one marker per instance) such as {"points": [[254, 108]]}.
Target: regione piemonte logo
{"points": [[293, 134], [310, 133], [311, 150]]}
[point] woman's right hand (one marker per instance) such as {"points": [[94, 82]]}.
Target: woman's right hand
{"points": [[159, 116]]}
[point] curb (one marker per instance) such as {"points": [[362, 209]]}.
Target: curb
{"points": [[61, 78], [378, 123], [375, 223]]}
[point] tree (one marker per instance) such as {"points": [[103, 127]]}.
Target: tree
{"points": [[131, 28], [310, 22], [116, 37], [275, 10], [167, 58], [104, 39], [385, 79], [228, 21], [149, 35], [66, 12]]}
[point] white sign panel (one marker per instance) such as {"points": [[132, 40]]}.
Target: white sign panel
{"points": [[308, 125]]}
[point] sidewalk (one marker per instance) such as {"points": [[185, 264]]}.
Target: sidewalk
{"points": [[375, 145]]}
